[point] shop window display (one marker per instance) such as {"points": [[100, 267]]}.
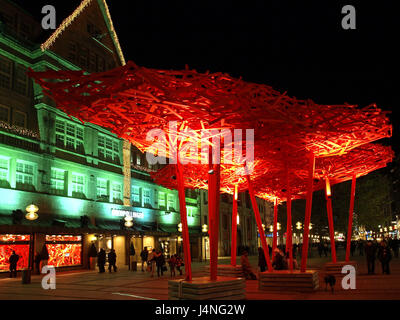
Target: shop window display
{"points": [[64, 250], [18, 243]]}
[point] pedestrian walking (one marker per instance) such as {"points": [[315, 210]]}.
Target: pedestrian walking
{"points": [[395, 247], [172, 264], [370, 253], [152, 262], [360, 247], [179, 263], [262, 262], [13, 264], [326, 249], [101, 260], [112, 260], [384, 256], [320, 249], [144, 255]]}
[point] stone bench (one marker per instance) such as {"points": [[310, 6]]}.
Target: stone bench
{"points": [[202, 288], [227, 270], [285, 280]]}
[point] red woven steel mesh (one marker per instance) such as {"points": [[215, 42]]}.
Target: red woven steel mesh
{"points": [[132, 100]]}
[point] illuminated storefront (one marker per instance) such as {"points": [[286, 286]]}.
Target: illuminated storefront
{"points": [[18, 243], [64, 250]]}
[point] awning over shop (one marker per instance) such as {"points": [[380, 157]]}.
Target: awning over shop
{"points": [[173, 228]]}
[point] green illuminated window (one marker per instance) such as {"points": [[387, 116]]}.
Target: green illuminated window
{"points": [[4, 169], [57, 181], [102, 188], [108, 147], [146, 196], [78, 183], [136, 195], [116, 192], [25, 173], [161, 200], [171, 202], [69, 135]]}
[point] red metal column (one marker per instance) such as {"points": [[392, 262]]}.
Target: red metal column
{"points": [[234, 227], [330, 219], [307, 218], [185, 230], [259, 224], [289, 230], [350, 229], [275, 235], [211, 215], [213, 209]]}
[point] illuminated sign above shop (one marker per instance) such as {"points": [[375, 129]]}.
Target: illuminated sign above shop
{"points": [[124, 213]]}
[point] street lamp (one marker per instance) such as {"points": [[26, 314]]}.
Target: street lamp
{"points": [[180, 227], [128, 221], [32, 209], [278, 226], [263, 226], [204, 228], [271, 228], [298, 225]]}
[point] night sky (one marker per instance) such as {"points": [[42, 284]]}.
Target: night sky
{"points": [[297, 47]]}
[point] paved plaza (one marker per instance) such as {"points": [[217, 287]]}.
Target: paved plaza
{"points": [[128, 285]]}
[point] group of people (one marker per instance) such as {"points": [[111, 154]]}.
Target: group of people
{"points": [[112, 260], [280, 261], [156, 260], [382, 251]]}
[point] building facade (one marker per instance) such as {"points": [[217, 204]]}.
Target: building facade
{"points": [[83, 179]]}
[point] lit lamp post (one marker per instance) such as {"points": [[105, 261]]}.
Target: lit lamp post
{"points": [[128, 221], [32, 209], [278, 227], [204, 229], [298, 227], [180, 239]]}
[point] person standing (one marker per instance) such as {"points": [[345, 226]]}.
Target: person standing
{"points": [[384, 256], [246, 267], [101, 260], [112, 260], [395, 247], [13, 264], [152, 261], [262, 263], [370, 253], [360, 247], [160, 260], [37, 262], [144, 255], [172, 263], [352, 248], [179, 263]]}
